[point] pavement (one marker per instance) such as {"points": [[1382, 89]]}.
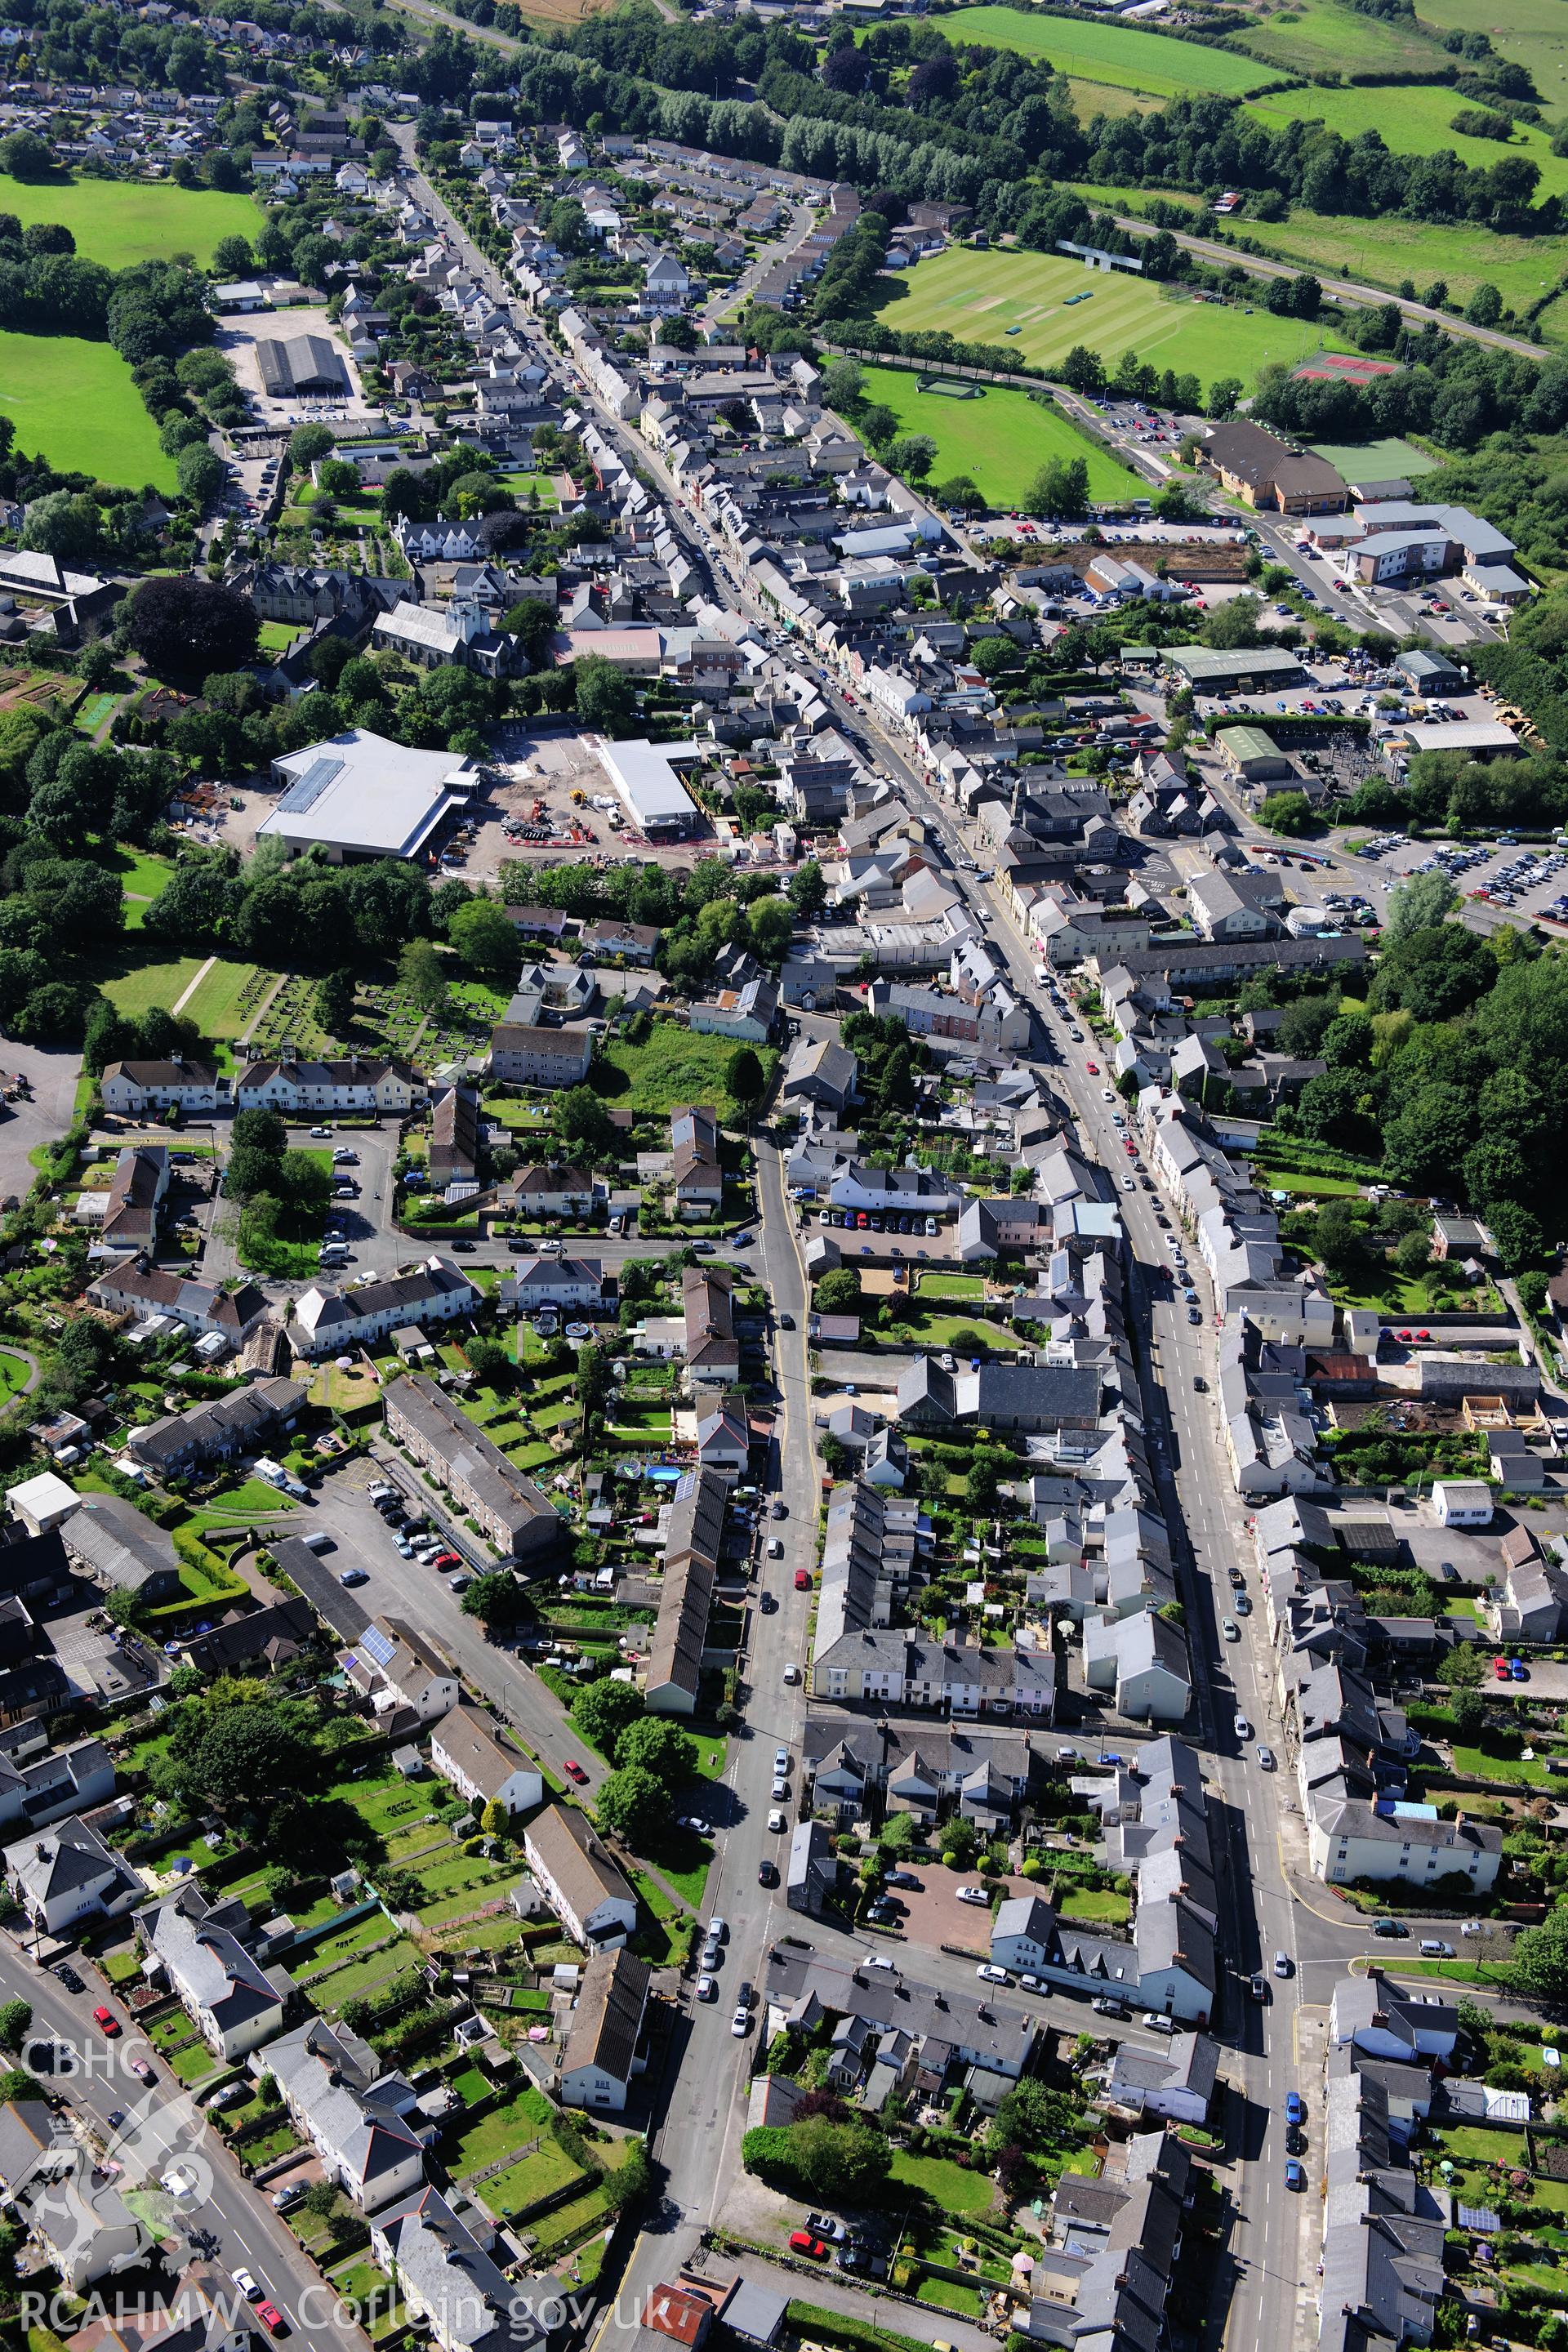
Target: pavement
{"points": [[27, 1127]]}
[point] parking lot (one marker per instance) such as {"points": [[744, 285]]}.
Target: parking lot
{"points": [[931, 1912], [1501, 881]]}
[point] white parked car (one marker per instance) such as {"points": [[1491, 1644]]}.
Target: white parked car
{"points": [[1241, 1728], [1154, 2022], [792, 1673], [974, 1895], [776, 1820], [249, 2287], [989, 1973]]}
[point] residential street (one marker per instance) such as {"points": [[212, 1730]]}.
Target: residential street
{"points": [[165, 2126]]}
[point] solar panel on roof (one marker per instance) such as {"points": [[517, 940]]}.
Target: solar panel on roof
{"points": [[307, 790], [378, 1645]]}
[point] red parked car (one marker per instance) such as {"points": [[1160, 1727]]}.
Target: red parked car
{"points": [[801, 2241], [803, 1579], [272, 2319], [107, 2020], [574, 1768], [1502, 1670]]}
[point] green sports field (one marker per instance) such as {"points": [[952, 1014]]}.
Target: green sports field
{"points": [[1126, 59], [117, 221], [1318, 35], [1001, 440], [1414, 121], [73, 403], [1375, 461], [979, 296]]}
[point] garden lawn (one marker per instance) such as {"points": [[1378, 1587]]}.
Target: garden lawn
{"points": [[251, 1498], [674, 1066], [117, 221], [1095, 1902], [948, 2185], [276, 636], [979, 296], [525, 2115], [14, 1374], [948, 2295], [1417, 125], [944, 1330], [330, 1992], [1474, 1764], [950, 1285], [1001, 439], [73, 403], [540, 2174], [1127, 59], [1474, 2143]]}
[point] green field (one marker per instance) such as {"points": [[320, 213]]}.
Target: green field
{"points": [[137, 991], [73, 403], [117, 221], [1375, 461], [979, 296], [1533, 32], [676, 1067], [14, 1373], [215, 1007], [1002, 439], [1317, 36], [1380, 252], [1127, 59], [1416, 123], [1092, 98]]}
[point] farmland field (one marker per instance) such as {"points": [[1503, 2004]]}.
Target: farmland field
{"points": [[73, 403], [1002, 439], [117, 221], [1533, 32], [1417, 125], [1382, 252], [1092, 98], [1343, 245], [1128, 61], [979, 296], [1316, 36]]}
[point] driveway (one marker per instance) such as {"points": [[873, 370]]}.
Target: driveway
{"points": [[23, 1126]]}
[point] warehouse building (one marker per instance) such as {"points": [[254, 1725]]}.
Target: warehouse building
{"points": [[306, 365], [656, 802], [360, 796], [1246, 669]]}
